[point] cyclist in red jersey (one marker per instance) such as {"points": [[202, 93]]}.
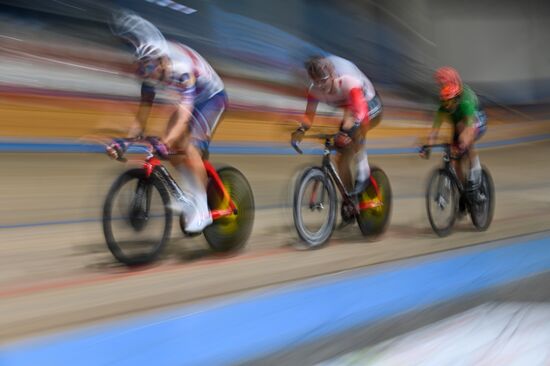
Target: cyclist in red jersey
{"points": [[339, 83]]}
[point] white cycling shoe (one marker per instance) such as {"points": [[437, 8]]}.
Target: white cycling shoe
{"points": [[197, 221], [196, 213], [194, 209]]}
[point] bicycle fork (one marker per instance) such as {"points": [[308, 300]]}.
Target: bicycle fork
{"points": [[140, 206], [315, 204]]}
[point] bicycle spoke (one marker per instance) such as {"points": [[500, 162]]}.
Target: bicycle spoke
{"points": [[442, 202], [313, 212], [136, 219]]}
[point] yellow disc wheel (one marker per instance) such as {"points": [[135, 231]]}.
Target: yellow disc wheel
{"points": [[374, 217], [230, 233]]}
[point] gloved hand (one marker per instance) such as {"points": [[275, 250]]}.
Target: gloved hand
{"points": [[424, 152], [298, 135], [160, 148], [117, 148], [342, 140]]}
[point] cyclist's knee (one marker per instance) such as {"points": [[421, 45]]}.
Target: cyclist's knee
{"points": [[202, 147]]}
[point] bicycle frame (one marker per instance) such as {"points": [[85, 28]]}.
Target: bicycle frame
{"points": [[153, 165], [449, 167], [330, 170], [447, 158]]}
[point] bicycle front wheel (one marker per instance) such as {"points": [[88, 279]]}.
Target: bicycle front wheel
{"points": [[314, 208], [136, 218], [442, 202]]}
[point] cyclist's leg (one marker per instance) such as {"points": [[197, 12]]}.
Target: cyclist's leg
{"points": [[177, 130], [191, 168], [358, 152], [206, 118], [474, 176], [194, 175], [475, 165], [189, 165], [343, 162], [457, 164], [362, 167], [361, 158]]}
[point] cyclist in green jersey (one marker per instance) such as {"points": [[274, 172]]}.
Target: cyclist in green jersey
{"points": [[459, 105]]}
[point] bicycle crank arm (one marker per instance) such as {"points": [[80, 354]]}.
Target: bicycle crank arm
{"points": [[370, 204], [218, 214]]}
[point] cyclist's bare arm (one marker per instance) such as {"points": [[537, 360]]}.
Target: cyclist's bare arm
{"points": [[309, 115], [436, 126], [432, 136], [143, 112]]}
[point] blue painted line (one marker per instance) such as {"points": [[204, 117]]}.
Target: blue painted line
{"points": [[48, 147], [517, 140], [82, 221], [47, 223], [62, 222], [502, 189], [233, 149], [247, 328]]}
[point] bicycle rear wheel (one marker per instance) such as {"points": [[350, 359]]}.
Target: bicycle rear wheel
{"points": [[136, 218], [442, 202], [230, 233], [314, 208], [482, 211], [374, 221]]}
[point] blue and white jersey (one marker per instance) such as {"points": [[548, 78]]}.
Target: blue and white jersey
{"points": [[191, 77]]}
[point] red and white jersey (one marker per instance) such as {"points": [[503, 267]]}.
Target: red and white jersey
{"points": [[187, 63], [348, 77]]}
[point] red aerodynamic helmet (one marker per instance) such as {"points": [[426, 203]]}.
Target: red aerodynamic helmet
{"points": [[450, 91], [447, 75], [449, 81]]}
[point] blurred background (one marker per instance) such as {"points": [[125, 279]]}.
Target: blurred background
{"points": [[499, 47], [67, 47], [66, 81]]}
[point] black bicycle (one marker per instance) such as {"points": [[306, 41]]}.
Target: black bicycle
{"points": [[315, 194], [447, 197]]}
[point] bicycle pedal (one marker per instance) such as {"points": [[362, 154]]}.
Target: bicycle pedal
{"points": [[345, 223]]}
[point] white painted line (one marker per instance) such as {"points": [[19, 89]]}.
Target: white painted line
{"points": [[59, 61], [13, 38]]}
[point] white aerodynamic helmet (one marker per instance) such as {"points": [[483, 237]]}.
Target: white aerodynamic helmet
{"points": [[149, 51], [142, 34]]}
